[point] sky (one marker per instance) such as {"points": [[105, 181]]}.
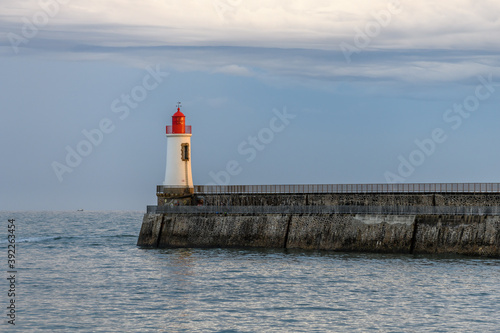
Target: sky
{"points": [[290, 92]]}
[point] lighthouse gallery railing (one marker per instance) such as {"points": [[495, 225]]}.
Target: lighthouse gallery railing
{"points": [[187, 129], [350, 188]]}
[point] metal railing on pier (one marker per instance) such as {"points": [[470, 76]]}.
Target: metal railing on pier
{"points": [[310, 209], [349, 188]]}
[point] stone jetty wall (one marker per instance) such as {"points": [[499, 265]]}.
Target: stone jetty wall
{"points": [[405, 233]]}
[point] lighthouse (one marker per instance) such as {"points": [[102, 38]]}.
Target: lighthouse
{"points": [[178, 177]]}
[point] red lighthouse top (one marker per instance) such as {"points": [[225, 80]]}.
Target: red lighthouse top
{"points": [[178, 123]]}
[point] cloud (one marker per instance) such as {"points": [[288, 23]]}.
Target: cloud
{"points": [[424, 40], [234, 70], [290, 23]]}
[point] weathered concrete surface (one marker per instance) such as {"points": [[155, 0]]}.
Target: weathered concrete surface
{"points": [[356, 199], [192, 230], [468, 235], [150, 230], [341, 232]]}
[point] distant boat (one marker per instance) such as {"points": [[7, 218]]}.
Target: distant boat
{"points": [[80, 210]]}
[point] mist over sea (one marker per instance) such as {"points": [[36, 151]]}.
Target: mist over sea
{"points": [[82, 272]]}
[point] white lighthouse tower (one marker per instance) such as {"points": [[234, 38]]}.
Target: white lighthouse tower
{"points": [[178, 177]]}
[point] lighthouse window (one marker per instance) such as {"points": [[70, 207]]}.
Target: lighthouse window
{"points": [[185, 152]]}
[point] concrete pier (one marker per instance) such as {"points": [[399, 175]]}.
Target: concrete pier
{"points": [[458, 223]]}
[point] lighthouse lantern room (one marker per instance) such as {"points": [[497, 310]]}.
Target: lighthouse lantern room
{"points": [[178, 177]]}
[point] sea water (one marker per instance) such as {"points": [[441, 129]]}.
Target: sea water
{"points": [[82, 272]]}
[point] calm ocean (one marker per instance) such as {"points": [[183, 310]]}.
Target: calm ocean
{"points": [[82, 272]]}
